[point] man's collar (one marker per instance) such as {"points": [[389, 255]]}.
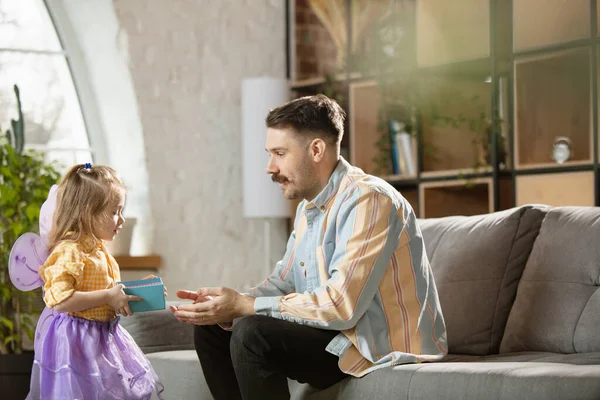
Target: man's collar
{"points": [[323, 198]]}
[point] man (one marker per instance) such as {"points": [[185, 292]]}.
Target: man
{"points": [[354, 291]]}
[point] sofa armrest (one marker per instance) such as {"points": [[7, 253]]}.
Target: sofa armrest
{"points": [[156, 331]]}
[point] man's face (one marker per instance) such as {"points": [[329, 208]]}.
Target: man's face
{"points": [[112, 219], [291, 165]]}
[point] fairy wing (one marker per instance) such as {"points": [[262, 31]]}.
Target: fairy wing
{"points": [[26, 255], [30, 251], [46, 212]]}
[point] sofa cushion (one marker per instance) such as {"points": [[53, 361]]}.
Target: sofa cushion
{"points": [[531, 356], [498, 380], [477, 262], [181, 374], [557, 308], [155, 331]]}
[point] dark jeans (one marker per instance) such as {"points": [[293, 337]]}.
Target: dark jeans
{"points": [[255, 360]]}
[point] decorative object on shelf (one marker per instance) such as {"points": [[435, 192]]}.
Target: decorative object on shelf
{"points": [[25, 180], [561, 150], [121, 244], [392, 115], [403, 152]]}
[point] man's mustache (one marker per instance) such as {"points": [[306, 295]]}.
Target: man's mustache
{"points": [[278, 178]]}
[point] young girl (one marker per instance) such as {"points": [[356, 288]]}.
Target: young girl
{"points": [[81, 351]]}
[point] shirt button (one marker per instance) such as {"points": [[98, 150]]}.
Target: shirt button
{"points": [[302, 263], [323, 208]]}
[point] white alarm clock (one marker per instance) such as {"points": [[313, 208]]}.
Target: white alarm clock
{"points": [[561, 150]]}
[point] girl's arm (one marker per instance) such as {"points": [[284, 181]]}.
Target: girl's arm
{"points": [[115, 297]]}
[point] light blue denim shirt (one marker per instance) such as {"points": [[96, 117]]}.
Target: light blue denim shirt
{"points": [[356, 263]]}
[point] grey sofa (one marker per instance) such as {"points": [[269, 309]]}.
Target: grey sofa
{"points": [[520, 294]]}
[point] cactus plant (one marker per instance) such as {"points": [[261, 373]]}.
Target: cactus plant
{"points": [[16, 138]]}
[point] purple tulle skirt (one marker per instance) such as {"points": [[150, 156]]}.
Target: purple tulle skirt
{"points": [[80, 359]]}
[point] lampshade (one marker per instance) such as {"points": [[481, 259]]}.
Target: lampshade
{"points": [[262, 197]]}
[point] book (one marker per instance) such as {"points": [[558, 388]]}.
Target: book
{"points": [[406, 160], [151, 290]]}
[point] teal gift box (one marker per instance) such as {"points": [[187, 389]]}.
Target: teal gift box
{"points": [[151, 290]]}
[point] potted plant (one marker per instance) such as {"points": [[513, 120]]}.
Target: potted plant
{"points": [[25, 180]]}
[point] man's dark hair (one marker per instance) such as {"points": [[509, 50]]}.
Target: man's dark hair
{"points": [[310, 117]]}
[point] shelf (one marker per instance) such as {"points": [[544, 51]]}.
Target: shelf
{"points": [[450, 31], [552, 99], [401, 179], [560, 189], [449, 148], [139, 262], [458, 197], [456, 173], [314, 83], [479, 68], [553, 165], [539, 23]]}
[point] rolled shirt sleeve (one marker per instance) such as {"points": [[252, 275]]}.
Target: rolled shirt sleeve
{"points": [[62, 272], [367, 237]]}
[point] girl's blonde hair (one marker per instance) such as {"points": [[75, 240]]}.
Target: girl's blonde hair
{"points": [[83, 195]]}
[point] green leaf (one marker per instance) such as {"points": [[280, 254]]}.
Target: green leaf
{"points": [[11, 338], [33, 212], [7, 323], [5, 292]]}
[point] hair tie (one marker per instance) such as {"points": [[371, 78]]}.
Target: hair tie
{"points": [[85, 167]]}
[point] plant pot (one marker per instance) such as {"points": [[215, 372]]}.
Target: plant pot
{"points": [[15, 375]]}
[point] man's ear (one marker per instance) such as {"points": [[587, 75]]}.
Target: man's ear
{"points": [[317, 149]]}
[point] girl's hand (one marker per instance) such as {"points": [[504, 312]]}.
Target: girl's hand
{"points": [[151, 276], [119, 300]]}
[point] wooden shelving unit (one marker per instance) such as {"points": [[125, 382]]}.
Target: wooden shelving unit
{"points": [[364, 103], [451, 31], [553, 99], [555, 21], [452, 144], [526, 68], [557, 189], [456, 197], [152, 261]]}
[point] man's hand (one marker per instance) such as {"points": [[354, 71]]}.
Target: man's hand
{"points": [[212, 306]]}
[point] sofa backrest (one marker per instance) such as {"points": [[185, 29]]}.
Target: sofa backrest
{"points": [[477, 262], [557, 308], [156, 331]]}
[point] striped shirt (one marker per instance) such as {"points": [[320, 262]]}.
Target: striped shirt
{"points": [[79, 266], [356, 263]]}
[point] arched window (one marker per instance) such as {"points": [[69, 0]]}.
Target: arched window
{"points": [[33, 58]]}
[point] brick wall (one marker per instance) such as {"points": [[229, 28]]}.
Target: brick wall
{"points": [[315, 50]]}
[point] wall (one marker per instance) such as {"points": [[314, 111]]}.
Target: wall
{"points": [[187, 60]]}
